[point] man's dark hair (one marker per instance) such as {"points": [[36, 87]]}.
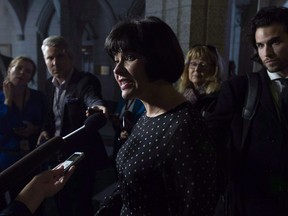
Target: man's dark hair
{"points": [[267, 16], [155, 41]]}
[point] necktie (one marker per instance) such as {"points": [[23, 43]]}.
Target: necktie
{"points": [[284, 98]]}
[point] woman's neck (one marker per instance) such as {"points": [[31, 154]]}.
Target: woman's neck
{"points": [[162, 98], [20, 90], [20, 96]]}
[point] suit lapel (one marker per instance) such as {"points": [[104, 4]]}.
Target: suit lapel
{"points": [[267, 99]]}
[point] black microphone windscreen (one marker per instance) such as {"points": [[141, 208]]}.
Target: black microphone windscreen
{"points": [[95, 121]]}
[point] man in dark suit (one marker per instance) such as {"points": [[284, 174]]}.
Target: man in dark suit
{"points": [[4, 63], [70, 94], [258, 176]]}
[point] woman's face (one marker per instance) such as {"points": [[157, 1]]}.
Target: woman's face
{"points": [[131, 75], [198, 71], [21, 73]]}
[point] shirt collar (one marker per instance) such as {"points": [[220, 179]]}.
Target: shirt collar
{"points": [[274, 75]]}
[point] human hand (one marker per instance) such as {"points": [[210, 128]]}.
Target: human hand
{"points": [[44, 136], [51, 181], [124, 135], [26, 131], [42, 186], [98, 108], [8, 92]]}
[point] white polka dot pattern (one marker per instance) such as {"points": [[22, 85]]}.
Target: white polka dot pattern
{"points": [[167, 166]]}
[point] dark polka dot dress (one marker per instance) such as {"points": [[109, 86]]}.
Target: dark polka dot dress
{"points": [[167, 166]]}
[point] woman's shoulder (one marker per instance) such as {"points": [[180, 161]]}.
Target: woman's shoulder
{"points": [[185, 110]]}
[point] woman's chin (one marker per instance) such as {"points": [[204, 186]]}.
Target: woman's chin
{"points": [[127, 95]]}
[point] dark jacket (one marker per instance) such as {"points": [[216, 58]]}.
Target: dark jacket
{"points": [[82, 87], [16, 208], [259, 171], [206, 103], [6, 61]]}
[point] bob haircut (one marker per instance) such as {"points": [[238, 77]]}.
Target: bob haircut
{"points": [[18, 59], [155, 41]]}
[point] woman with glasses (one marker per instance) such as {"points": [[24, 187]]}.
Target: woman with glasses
{"points": [[201, 78]]}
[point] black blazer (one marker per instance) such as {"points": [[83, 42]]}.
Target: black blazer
{"points": [[81, 87], [260, 173], [6, 61]]}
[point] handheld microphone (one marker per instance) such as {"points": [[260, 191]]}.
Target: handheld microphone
{"points": [[93, 122], [24, 166]]}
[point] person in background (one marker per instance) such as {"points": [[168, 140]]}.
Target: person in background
{"points": [[126, 115], [42, 186], [167, 165], [258, 170], [22, 112], [70, 94], [201, 79], [231, 69], [4, 63]]}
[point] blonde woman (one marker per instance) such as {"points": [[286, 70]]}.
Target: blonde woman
{"points": [[201, 78]]}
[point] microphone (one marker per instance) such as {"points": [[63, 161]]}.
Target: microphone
{"points": [[93, 122], [21, 168]]}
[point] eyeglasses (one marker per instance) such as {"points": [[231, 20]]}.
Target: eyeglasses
{"points": [[200, 65]]}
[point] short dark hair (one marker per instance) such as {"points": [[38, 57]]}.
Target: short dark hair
{"points": [[267, 16], [154, 40]]}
